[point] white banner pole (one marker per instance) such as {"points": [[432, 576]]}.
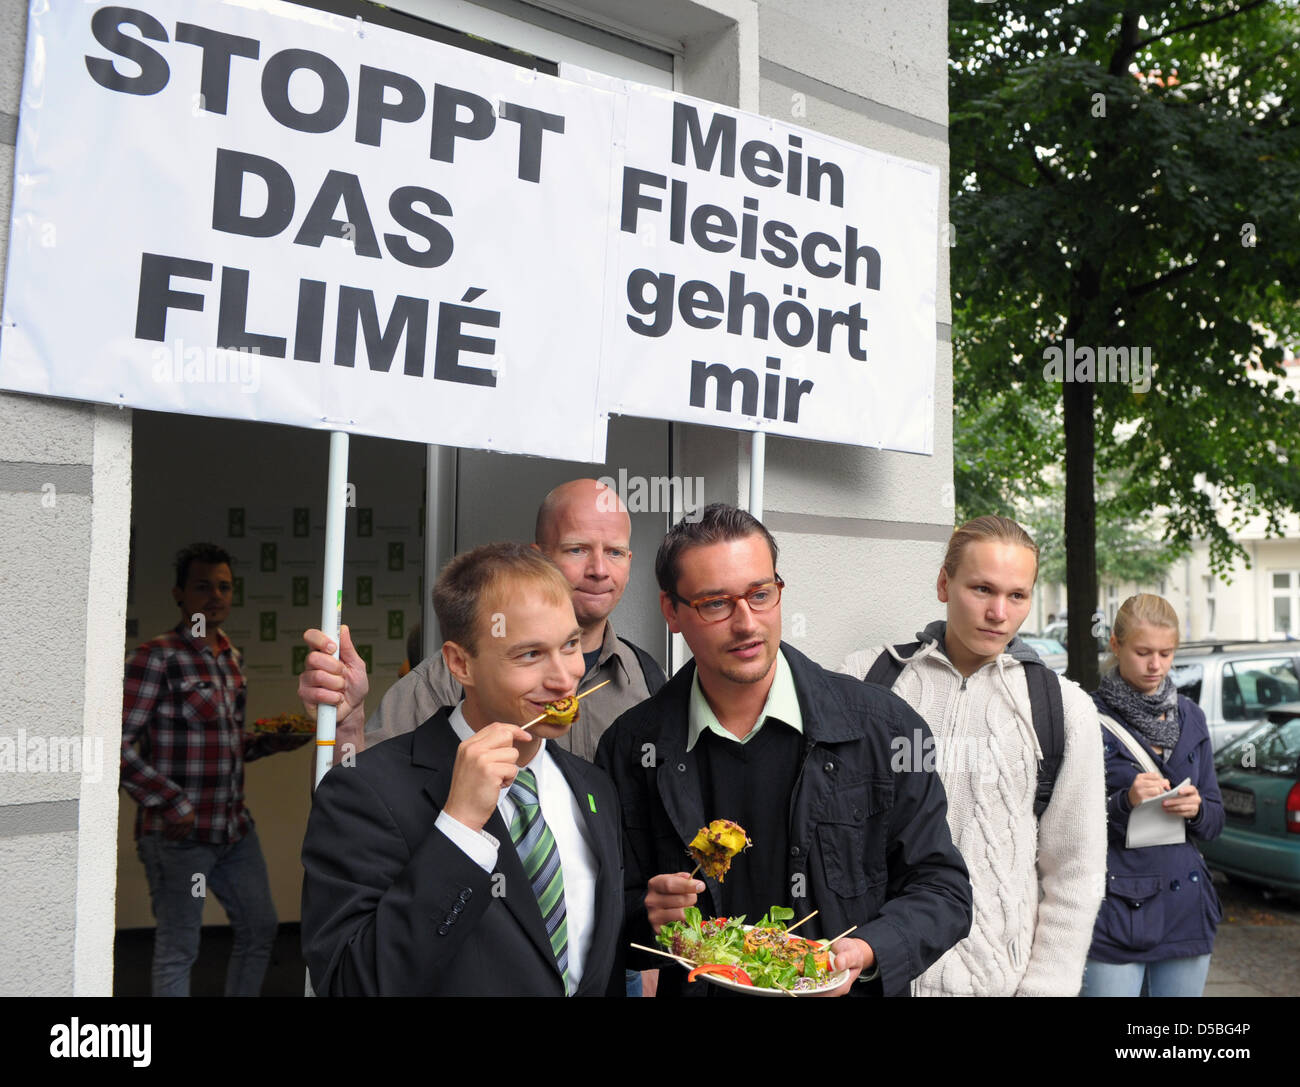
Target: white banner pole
{"points": [[757, 465], [332, 589]]}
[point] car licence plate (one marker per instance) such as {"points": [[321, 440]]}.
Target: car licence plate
{"points": [[1238, 801]]}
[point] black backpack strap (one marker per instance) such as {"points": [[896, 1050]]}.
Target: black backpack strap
{"points": [[654, 675], [1048, 713], [886, 669]]}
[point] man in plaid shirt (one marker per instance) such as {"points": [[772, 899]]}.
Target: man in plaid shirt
{"points": [[183, 705]]}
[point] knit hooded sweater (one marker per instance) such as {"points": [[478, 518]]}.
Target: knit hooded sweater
{"points": [[1037, 883]]}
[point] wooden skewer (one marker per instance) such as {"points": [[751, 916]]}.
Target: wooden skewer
{"points": [[808, 918], [694, 870], [841, 935], [579, 698], [666, 954]]}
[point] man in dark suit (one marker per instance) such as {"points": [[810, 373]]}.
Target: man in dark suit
{"points": [[805, 759], [470, 857]]}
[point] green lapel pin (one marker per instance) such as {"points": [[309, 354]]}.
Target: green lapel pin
{"points": [[592, 801]]}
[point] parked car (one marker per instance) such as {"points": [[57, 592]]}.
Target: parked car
{"points": [[1236, 684], [1051, 652], [1061, 632], [1259, 779]]}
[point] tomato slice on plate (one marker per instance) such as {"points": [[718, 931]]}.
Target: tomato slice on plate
{"points": [[731, 973]]}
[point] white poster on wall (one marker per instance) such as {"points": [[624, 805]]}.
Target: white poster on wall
{"points": [[767, 277], [265, 212]]}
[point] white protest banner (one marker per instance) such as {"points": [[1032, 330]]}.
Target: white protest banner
{"points": [[767, 277], [381, 234]]}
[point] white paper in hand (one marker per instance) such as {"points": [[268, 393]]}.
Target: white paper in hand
{"points": [[1149, 823]]}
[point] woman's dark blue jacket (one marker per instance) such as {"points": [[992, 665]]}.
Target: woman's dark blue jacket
{"points": [[1160, 903]]}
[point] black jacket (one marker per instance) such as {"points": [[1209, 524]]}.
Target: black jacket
{"points": [[872, 843], [391, 906]]}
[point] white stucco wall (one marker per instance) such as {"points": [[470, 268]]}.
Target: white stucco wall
{"points": [[64, 508]]}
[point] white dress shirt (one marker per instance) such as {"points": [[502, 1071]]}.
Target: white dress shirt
{"points": [[564, 817]]}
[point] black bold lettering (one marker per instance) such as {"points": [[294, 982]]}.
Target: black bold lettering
{"points": [[311, 320], [809, 253], [700, 297], [228, 195], [275, 90], [709, 219], [409, 315], [722, 134], [401, 206], [853, 252], [738, 300], [218, 49], [532, 123], [232, 318], [633, 180], [816, 171], [771, 388], [783, 254], [452, 341], [725, 379], [661, 305], [156, 295], [372, 107], [356, 228], [106, 25], [794, 392], [447, 130], [756, 155]]}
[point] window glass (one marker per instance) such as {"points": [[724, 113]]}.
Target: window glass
{"points": [[1251, 687], [1187, 678]]}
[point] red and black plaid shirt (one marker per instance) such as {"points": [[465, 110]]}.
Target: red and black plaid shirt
{"points": [[184, 705]]}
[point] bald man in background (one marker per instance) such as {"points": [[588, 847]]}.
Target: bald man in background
{"points": [[585, 530]]}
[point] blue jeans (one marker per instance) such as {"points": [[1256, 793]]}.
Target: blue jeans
{"points": [[236, 874], [1173, 977]]}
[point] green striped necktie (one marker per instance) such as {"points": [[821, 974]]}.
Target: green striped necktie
{"points": [[541, 860]]}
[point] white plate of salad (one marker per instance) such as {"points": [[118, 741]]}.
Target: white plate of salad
{"points": [[758, 960]]}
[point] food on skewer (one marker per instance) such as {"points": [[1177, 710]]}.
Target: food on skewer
{"points": [[714, 846], [563, 711]]}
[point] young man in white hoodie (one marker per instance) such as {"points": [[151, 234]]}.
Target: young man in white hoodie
{"points": [[1037, 880]]}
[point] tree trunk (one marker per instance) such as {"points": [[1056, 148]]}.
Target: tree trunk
{"points": [[1080, 532]]}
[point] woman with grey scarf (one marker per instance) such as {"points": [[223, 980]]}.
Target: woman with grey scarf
{"points": [[1155, 930]]}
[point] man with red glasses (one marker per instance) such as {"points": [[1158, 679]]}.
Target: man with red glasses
{"points": [[754, 731]]}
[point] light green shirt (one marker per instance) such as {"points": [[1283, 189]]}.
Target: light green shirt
{"points": [[782, 703]]}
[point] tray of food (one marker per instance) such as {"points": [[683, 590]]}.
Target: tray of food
{"points": [[286, 724]]}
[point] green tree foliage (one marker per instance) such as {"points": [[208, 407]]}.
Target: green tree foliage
{"points": [[1127, 179]]}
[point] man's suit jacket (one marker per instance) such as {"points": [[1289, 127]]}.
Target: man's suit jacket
{"points": [[869, 841], [390, 906]]}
